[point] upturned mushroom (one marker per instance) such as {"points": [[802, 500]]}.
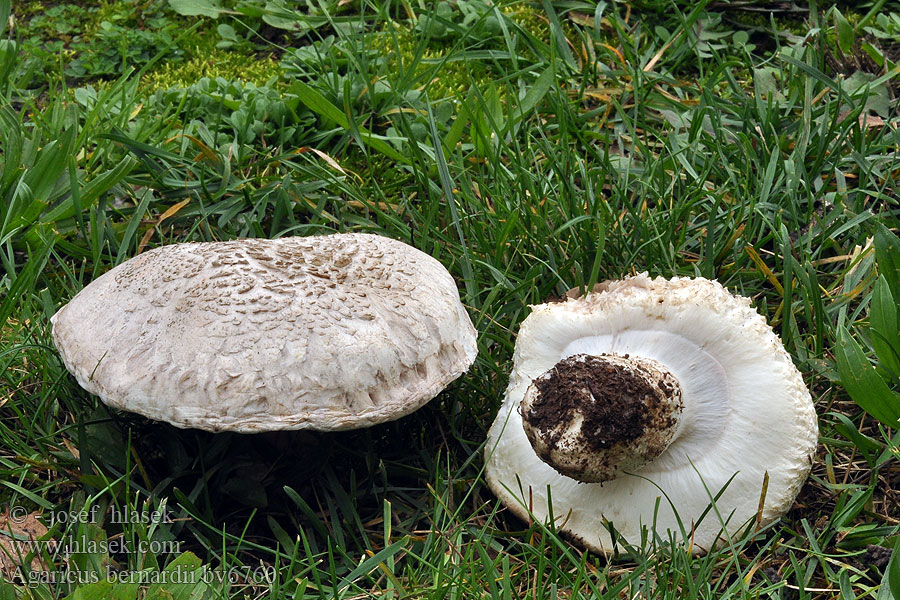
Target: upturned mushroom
{"points": [[639, 404], [327, 332]]}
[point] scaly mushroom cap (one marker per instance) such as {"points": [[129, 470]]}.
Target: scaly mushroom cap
{"points": [[328, 332], [746, 412]]}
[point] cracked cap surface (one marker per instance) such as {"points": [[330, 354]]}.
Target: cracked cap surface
{"points": [[325, 332]]}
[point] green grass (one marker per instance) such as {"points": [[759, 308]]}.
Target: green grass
{"points": [[561, 148]]}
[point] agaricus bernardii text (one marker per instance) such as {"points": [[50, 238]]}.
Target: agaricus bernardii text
{"points": [[324, 332], [648, 397]]}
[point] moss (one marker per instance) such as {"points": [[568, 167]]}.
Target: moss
{"points": [[529, 18], [214, 63], [110, 11], [28, 9], [25, 10], [455, 76], [762, 21]]}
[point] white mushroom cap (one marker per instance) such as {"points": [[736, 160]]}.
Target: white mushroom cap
{"points": [[746, 413], [329, 332]]}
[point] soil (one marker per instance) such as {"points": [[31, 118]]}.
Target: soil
{"points": [[611, 417]]}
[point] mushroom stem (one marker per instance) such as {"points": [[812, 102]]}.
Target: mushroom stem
{"points": [[594, 417]]}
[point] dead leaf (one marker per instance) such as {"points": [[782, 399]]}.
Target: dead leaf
{"points": [[19, 537], [865, 120]]}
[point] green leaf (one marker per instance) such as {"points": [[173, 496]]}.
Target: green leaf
{"points": [[818, 75], [86, 197], [371, 563], [740, 38], [133, 223], [765, 85], [320, 105], [12, 141], [447, 186], [227, 32], [281, 535], [494, 107], [883, 327], [249, 9], [456, 130], [559, 37], [194, 8], [91, 560], [844, 33], [140, 149], [311, 515], [874, 53], [893, 570], [848, 429], [278, 14], [846, 510], [23, 280], [890, 582], [887, 256], [44, 175], [876, 93], [863, 383], [488, 120], [5, 9], [182, 578], [535, 94], [105, 590]]}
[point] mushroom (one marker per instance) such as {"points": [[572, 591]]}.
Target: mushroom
{"points": [[329, 332], [635, 406]]}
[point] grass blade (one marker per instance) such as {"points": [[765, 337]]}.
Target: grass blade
{"points": [[559, 37], [5, 9], [887, 255], [447, 186], [320, 105], [883, 327], [863, 384]]}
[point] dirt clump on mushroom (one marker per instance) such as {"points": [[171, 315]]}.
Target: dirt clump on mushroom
{"points": [[602, 394]]}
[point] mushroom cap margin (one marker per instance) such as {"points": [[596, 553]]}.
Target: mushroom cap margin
{"points": [[323, 332], [695, 328]]}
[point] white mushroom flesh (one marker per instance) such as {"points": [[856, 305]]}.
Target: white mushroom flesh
{"points": [[747, 416]]}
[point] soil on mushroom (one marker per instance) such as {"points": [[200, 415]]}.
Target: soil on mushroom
{"points": [[608, 399]]}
